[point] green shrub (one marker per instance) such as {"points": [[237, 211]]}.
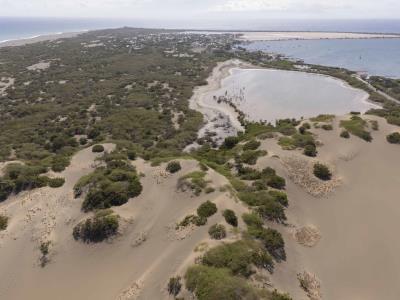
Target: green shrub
{"points": [[6, 189], [83, 141], [230, 217], [280, 197], [273, 242], [272, 211], [3, 222], [393, 138], [97, 149], [173, 167], [345, 134], [239, 257], [209, 283], [174, 286], [217, 232], [98, 228], [251, 145], [230, 142], [252, 220], [327, 127], [357, 126], [207, 209], [276, 182], [131, 154], [56, 182], [109, 186], [59, 163], [250, 156], [322, 172], [323, 118], [310, 150]]}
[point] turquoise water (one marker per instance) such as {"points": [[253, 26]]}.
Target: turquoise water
{"points": [[264, 94], [374, 56]]}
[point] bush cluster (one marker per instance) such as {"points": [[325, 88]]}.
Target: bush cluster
{"points": [[271, 238], [111, 185], [102, 226]]}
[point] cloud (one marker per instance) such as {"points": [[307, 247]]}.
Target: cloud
{"points": [[195, 8]]}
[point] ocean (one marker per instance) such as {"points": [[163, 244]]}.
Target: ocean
{"points": [[18, 27], [373, 56]]}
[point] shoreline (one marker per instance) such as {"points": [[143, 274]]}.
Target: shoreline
{"points": [[222, 71], [40, 38]]}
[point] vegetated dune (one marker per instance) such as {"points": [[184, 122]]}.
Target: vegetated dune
{"points": [[137, 263], [355, 257]]}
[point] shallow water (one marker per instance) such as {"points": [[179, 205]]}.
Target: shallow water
{"points": [[264, 94]]}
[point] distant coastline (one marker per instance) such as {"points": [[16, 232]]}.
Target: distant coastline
{"points": [[39, 38]]}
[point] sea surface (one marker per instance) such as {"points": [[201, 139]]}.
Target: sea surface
{"points": [[18, 27], [264, 94], [373, 56]]}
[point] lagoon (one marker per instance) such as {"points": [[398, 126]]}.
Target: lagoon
{"points": [[268, 95]]}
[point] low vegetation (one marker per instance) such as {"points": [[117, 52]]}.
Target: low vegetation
{"points": [[173, 167], [357, 126], [109, 185], [174, 286], [103, 225], [206, 209], [217, 232], [97, 149], [3, 222], [345, 134], [393, 138], [322, 172], [56, 182], [230, 217], [193, 181]]}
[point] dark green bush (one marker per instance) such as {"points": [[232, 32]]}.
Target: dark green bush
{"points": [[322, 172], [327, 127], [251, 145], [310, 150], [59, 163], [209, 283], [345, 134], [98, 148], [206, 209], [252, 220], [131, 154], [217, 232], [276, 182], [230, 217], [173, 167], [393, 138], [98, 228], [174, 286], [230, 142], [239, 257], [56, 182], [83, 141], [3, 222], [6, 189]]}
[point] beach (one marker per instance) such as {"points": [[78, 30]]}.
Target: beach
{"points": [[39, 38]]}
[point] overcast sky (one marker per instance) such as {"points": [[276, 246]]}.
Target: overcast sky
{"points": [[203, 9]]}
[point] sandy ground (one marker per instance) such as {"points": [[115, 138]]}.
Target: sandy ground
{"points": [[135, 265], [351, 247], [277, 36]]}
